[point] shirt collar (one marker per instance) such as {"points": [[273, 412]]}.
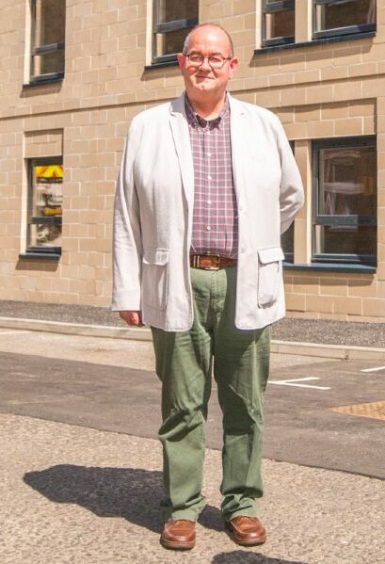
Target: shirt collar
{"points": [[195, 120]]}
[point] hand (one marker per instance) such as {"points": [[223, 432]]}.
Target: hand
{"points": [[132, 317]]}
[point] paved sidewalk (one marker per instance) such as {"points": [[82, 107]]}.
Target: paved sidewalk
{"points": [[353, 334], [76, 495]]}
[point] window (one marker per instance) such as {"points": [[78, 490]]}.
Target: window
{"points": [[287, 243], [45, 205], [345, 201], [341, 17], [287, 238], [278, 22], [48, 36], [172, 22]]}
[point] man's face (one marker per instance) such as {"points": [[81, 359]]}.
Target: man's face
{"points": [[203, 81]]}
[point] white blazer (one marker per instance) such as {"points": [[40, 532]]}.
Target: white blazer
{"points": [[154, 207]]}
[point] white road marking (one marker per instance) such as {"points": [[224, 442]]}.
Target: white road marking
{"points": [[293, 383], [376, 369]]}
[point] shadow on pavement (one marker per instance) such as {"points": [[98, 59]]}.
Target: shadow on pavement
{"points": [[241, 557], [131, 493]]}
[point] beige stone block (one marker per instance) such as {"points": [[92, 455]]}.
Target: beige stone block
{"points": [[374, 307], [347, 90], [363, 69], [319, 57], [296, 130], [321, 129], [292, 60], [308, 113], [335, 111], [307, 77], [369, 125], [316, 94], [296, 302], [319, 304], [292, 96], [286, 115], [363, 288], [280, 79], [333, 286], [352, 126]]}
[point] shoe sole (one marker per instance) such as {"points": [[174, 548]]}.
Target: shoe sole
{"points": [[240, 542], [177, 545]]}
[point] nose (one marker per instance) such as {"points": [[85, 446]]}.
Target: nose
{"points": [[205, 63]]}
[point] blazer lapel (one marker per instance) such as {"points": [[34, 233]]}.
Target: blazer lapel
{"points": [[181, 136], [239, 141]]}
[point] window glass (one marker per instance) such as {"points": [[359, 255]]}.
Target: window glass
{"points": [[171, 42], [346, 200], [169, 10], [287, 238], [172, 22], [48, 36], [287, 243], [345, 13], [48, 63], [49, 22], [45, 205], [278, 22], [345, 240]]}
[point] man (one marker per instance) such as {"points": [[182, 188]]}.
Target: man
{"points": [[206, 186]]}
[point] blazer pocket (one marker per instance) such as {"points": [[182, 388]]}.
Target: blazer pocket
{"points": [[155, 278], [269, 275]]}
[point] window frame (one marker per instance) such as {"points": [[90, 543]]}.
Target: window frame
{"points": [[43, 50], [271, 8], [33, 250], [338, 31], [165, 27], [356, 220]]}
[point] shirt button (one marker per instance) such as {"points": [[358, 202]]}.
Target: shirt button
{"points": [[209, 202], [209, 176], [209, 154], [208, 228]]}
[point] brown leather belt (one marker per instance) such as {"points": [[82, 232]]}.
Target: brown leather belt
{"points": [[211, 262]]}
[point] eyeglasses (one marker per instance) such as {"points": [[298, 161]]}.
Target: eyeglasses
{"points": [[215, 61]]}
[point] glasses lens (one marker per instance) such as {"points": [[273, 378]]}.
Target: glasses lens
{"points": [[195, 59], [216, 62]]}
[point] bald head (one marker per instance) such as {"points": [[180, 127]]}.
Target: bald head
{"points": [[208, 28]]}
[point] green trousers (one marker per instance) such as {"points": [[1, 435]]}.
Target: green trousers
{"points": [[185, 361]]}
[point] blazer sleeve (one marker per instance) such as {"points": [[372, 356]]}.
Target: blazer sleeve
{"points": [[127, 245], [291, 190]]}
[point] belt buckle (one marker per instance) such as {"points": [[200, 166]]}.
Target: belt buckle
{"points": [[216, 260]]}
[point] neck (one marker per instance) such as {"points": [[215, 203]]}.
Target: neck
{"points": [[208, 109]]}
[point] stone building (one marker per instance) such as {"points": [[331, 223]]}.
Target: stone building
{"points": [[74, 72]]}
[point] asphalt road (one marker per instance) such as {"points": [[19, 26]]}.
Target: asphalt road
{"points": [[101, 385]]}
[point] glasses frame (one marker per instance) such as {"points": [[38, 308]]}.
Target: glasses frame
{"points": [[188, 55]]}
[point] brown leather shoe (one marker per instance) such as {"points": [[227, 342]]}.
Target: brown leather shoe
{"points": [[246, 531], [178, 534]]}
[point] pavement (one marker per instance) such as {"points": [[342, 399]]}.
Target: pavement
{"points": [[81, 466], [310, 337]]}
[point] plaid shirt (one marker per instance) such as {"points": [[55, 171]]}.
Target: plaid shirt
{"points": [[215, 218]]}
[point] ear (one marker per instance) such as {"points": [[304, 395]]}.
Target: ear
{"points": [[181, 60], [233, 64]]}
